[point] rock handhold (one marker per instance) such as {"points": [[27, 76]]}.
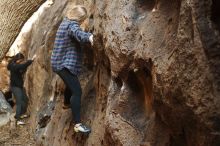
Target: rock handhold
{"points": [[45, 114]]}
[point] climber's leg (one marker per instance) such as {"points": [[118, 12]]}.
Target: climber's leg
{"points": [[67, 96], [17, 92], [72, 82]]}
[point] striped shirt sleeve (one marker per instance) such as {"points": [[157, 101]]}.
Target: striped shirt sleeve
{"points": [[76, 32]]}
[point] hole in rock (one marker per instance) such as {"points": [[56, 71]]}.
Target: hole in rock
{"points": [[179, 139], [215, 17], [128, 29], [91, 16], [9, 99], [145, 80], [146, 4], [134, 83], [134, 108], [118, 81]]}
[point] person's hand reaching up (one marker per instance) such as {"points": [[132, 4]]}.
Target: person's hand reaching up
{"points": [[91, 39]]}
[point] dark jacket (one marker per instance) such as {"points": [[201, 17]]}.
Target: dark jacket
{"points": [[16, 72]]}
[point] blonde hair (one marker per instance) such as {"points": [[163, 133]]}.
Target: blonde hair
{"points": [[77, 13]]}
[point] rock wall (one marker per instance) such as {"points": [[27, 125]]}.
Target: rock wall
{"points": [[151, 79], [5, 110]]}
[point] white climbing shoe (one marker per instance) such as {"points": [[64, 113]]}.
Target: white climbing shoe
{"points": [[20, 122], [81, 128], [24, 116]]}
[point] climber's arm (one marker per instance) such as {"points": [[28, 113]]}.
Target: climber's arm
{"points": [[21, 67], [81, 36]]}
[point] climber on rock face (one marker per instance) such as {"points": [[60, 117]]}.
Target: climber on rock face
{"points": [[17, 68], [66, 60]]}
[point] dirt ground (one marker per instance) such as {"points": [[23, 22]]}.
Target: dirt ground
{"points": [[11, 135]]}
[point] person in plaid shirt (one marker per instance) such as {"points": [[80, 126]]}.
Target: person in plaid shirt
{"points": [[66, 59]]}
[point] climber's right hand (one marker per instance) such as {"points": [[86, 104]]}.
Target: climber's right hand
{"points": [[91, 39], [33, 57]]}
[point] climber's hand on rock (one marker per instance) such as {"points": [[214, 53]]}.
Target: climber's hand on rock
{"points": [[91, 39], [33, 57]]}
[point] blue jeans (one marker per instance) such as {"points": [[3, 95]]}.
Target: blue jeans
{"points": [[72, 86], [21, 101]]}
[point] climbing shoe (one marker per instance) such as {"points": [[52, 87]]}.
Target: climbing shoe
{"points": [[20, 122], [24, 116], [81, 128]]}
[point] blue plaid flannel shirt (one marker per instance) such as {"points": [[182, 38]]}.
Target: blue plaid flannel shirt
{"points": [[67, 52]]}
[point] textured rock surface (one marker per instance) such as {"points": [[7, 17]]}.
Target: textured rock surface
{"points": [[5, 110], [4, 78], [14, 13], [151, 79]]}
